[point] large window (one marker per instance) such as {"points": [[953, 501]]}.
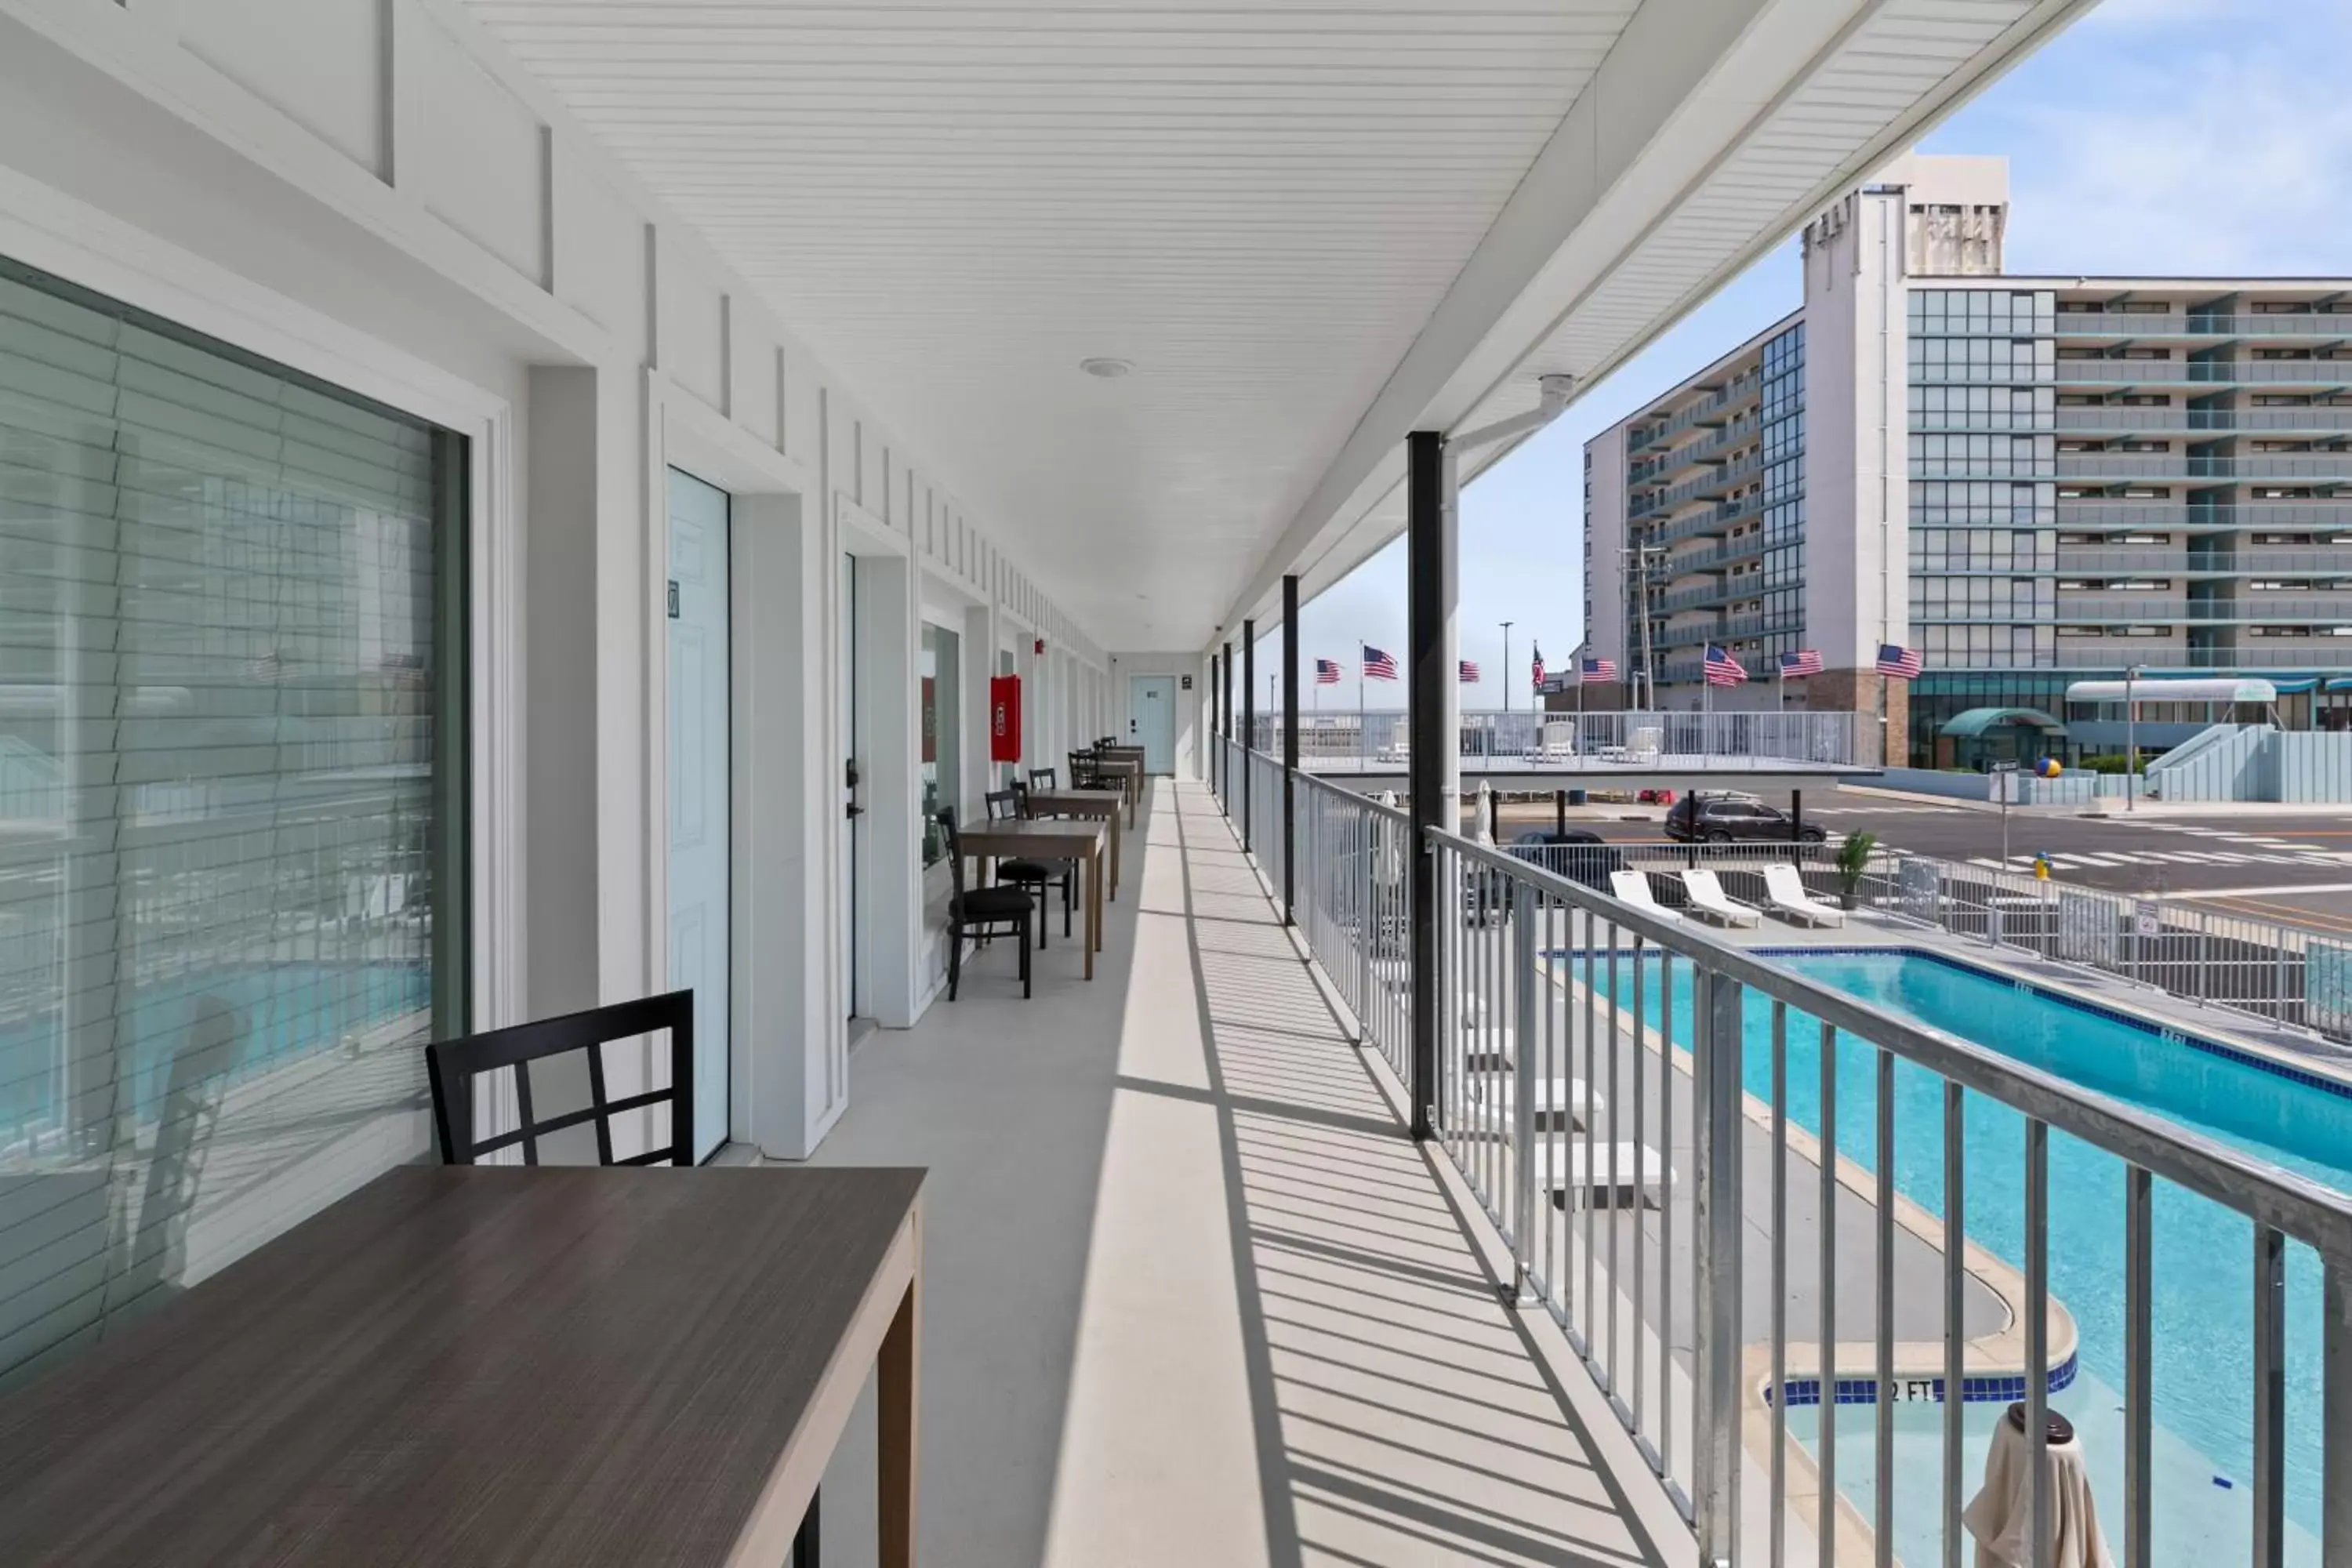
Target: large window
{"points": [[231, 818], [942, 757]]}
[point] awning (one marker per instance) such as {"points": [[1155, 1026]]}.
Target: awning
{"points": [[1974, 721], [2231, 689]]}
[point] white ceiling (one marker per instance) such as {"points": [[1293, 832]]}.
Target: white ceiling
{"points": [[1312, 225]]}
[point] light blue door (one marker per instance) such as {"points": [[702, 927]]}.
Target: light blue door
{"points": [[1151, 721], [698, 879]]}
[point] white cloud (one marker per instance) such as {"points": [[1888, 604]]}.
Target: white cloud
{"points": [[2195, 145]]}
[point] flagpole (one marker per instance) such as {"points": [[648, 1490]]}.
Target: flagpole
{"points": [[1363, 741]]}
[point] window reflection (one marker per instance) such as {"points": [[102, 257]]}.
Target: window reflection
{"points": [[217, 806], [942, 756]]}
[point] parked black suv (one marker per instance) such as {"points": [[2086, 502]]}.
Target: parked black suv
{"points": [[1570, 852], [1720, 818]]}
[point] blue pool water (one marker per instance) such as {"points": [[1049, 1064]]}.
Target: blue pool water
{"points": [[2202, 1253]]}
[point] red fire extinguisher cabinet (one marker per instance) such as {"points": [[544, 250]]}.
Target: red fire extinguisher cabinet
{"points": [[1004, 719]]}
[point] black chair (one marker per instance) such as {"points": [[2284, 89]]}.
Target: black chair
{"points": [[1041, 875], [1042, 778], [1082, 770], [454, 1064], [982, 912]]}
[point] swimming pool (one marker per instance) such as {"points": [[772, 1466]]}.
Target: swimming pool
{"points": [[2202, 1253]]}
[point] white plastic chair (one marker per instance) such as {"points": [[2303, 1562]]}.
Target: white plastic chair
{"points": [[1634, 887], [1707, 897], [1785, 895]]}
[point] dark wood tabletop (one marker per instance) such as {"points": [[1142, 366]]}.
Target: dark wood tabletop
{"points": [[477, 1366]]}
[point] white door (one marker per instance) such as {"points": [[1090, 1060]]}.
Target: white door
{"points": [[1151, 721], [852, 805], [698, 786]]}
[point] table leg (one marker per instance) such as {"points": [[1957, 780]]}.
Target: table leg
{"points": [[1095, 886], [1114, 852], [896, 1376], [1093, 868]]}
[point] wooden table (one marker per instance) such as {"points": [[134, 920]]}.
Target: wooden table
{"points": [[1100, 805], [1027, 838], [494, 1364]]}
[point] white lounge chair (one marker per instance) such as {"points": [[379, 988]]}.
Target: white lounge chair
{"points": [[1785, 895], [1643, 745], [1707, 897], [1634, 887], [1559, 1100], [1585, 1172]]}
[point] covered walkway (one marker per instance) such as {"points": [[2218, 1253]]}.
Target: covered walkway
{"points": [[1193, 1296]]}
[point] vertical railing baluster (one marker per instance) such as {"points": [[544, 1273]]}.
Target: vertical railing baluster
{"points": [[1592, 1014], [2139, 1383], [1778, 1496], [1884, 1374], [2037, 1337], [1632, 1394], [1666, 1204], [1525, 917], [2335, 1415], [1826, 1290], [2269, 1398], [1716, 1228], [1955, 1304]]}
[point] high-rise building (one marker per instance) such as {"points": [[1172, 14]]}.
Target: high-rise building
{"points": [[2033, 480]]}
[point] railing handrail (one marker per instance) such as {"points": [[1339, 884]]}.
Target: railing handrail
{"points": [[2294, 1205]]}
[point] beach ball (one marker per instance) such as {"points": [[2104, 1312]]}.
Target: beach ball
{"points": [[2047, 768]]}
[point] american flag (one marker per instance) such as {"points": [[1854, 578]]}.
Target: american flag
{"points": [[1536, 676], [1804, 661], [1469, 669], [1722, 669], [1327, 672], [1900, 662], [1599, 670], [1378, 666]]}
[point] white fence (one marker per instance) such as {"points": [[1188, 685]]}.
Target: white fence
{"points": [[1381, 738]]}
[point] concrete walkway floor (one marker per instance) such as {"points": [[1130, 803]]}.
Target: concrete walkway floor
{"points": [[1193, 1296]]}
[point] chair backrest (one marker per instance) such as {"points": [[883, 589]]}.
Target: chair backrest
{"points": [[1002, 804], [1704, 888], [955, 859], [1634, 887], [1783, 883], [1042, 778], [454, 1064]]}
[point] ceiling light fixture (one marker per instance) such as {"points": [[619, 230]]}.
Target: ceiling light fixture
{"points": [[1108, 369]]}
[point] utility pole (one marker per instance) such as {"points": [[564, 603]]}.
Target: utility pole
{"points": [[2131, 737], [1637, 570]]}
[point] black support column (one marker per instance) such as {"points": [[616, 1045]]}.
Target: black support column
{"points": [[1216, 728], [1289, 736], [1225, 753], [1249, 719], [1428, 603]]}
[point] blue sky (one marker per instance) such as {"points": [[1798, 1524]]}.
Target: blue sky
{"points": [[2154, 136]]}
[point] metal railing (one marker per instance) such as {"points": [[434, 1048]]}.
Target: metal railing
{"points": [[1650, 1114], [2268, 970]]}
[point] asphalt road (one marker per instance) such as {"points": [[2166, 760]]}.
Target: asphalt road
{"points": [[2292, 868]]}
